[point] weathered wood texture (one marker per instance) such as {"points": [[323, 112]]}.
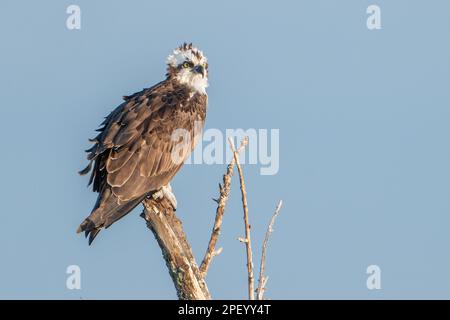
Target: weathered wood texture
{"points": [[177, 253]]}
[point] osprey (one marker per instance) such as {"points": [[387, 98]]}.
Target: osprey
{"points": [[135, 154]]}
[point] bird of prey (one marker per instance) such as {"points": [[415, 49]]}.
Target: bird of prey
{"points": [[133, 155]]}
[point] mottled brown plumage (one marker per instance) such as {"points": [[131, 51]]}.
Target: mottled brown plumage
{"points": [[132, 155]]}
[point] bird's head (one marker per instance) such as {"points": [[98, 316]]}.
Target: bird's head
{"points": [[189, 66]]}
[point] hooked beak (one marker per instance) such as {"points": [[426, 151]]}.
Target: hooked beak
{"points": [[200, 70]]}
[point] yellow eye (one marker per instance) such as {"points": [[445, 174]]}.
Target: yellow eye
{"points": [[186, 65]]}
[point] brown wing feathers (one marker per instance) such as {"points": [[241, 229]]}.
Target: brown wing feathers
{"points": [[131, 155]]}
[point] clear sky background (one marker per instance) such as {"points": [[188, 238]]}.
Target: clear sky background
{"points": [[364, 119]]}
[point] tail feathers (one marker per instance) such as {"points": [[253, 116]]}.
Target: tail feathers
{"points": [[120, 211], [106, 212], [92, 234], [89, 228]]}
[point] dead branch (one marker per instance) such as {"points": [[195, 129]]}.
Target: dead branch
{"points": [[188, 278], [224, 192], [262, 278], [247, 241], [177, 253]]}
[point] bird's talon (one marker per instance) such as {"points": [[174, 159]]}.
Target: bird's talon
{"points": [[158, 194], [166, 192]]}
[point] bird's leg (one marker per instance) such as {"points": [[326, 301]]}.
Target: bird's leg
{"points": [[166, 191], [168, 194]]}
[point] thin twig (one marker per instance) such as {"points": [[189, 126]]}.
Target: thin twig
{"points": [[224, 192], [262, 278], [248, 243]]}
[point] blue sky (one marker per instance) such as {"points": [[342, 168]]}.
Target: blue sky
{"points": [[364, 144]]}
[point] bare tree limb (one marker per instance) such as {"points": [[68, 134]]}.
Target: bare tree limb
{"points": [[188, 278], [224, 192], [248, 242], [262, 278], [177, 253]]}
